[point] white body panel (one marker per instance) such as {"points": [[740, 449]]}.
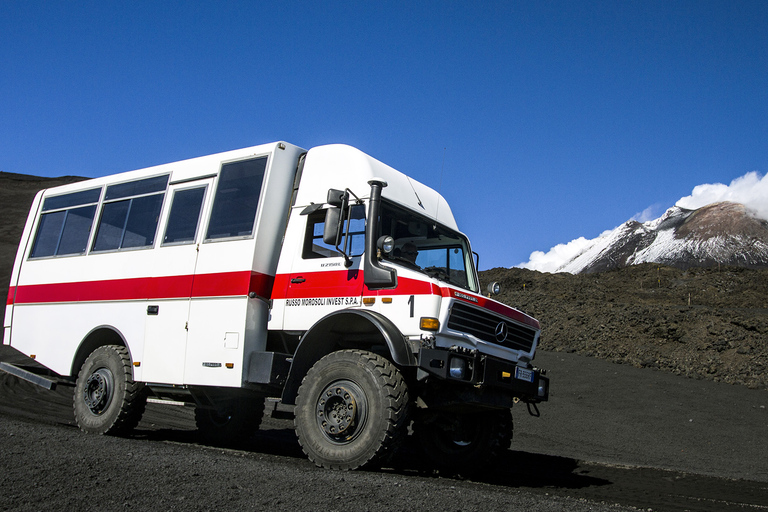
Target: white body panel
{"points": [[197, 330]]}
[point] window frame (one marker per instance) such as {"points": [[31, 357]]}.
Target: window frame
{"points": [[216, 189], [56, 206], [423, 241], [130, 199], [198, 225], [318, 219]]}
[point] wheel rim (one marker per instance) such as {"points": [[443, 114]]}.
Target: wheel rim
{"points": [[98, 391], [219, 419], [341, 411]]}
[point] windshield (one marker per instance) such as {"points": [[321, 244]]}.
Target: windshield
{"points": [[427, 247]]}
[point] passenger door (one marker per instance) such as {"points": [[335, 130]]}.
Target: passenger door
{"points": [[171, 285], [319, 282]]}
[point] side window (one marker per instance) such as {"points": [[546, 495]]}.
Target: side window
{"points": [[130, 214], [185, 216], [314, 247], [237, 199], [65, 224]]}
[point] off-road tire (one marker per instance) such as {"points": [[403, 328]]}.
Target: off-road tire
{"points": [[106, 398], [351, 410], [464, 444], [233, 425]]}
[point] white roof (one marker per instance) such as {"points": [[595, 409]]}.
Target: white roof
{"points": [[339, 166]]}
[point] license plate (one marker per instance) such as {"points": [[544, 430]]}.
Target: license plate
{"points": [[523, 374]]}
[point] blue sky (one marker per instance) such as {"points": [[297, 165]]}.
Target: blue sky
{"points": [[540, 122]]}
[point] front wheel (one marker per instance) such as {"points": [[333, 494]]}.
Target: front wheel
{"points": [[351, 410], [464, 444], [106, 399]]}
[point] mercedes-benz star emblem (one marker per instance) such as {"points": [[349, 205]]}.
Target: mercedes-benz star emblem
{"points": [[501, 332]]}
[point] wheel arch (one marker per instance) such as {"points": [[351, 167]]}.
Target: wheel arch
{"points": [[98, 337], [351, 328]]}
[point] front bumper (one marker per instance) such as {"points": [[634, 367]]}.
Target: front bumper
{"points": [[484, 372]]}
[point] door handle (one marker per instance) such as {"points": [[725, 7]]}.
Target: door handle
{"points": [[298, 280]]}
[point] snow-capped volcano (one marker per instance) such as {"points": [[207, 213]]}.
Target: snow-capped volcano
{"points": [[720, 233]]}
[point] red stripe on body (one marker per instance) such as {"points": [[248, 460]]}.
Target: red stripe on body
{"points": [[329, 283], [332, 283], [408, 286], [224, 284], [341, 283]]}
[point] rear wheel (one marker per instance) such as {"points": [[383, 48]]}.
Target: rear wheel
{"points": [[106, 399], [231, 424], [464, 443], [351, 410]]}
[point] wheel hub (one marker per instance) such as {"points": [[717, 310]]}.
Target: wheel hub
{"points": [[336, 410], [98, 390]]}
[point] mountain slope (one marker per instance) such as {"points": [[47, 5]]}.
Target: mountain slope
{"points": [[717, 234], [703, 323]]}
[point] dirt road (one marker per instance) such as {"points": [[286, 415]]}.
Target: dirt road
{"points": [[613, 437]]}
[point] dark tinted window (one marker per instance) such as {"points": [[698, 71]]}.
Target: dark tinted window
{"points": [[48, 232], [73, 199], [136, 188], [111, 226], [132, 222], [77, 228], [65, 232], [141, 225], [184, 216], [315, 247], [237, 199]]}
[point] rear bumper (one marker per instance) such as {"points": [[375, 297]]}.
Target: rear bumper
{"points": [[483, 372]]}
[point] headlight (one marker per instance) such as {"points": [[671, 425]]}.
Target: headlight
{"points": [[385, 244], [543, 385], [457, 368]]}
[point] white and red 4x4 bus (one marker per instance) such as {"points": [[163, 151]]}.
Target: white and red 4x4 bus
{"points": [[321, 278]]}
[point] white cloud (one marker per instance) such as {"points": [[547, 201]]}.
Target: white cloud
{"points": [[650, 213], [751, 190], [557, 256]]}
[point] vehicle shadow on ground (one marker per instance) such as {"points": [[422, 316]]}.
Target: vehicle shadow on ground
{"points": [[513, 469]]}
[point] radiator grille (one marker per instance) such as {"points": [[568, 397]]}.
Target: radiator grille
{"points": [[484, 325]]}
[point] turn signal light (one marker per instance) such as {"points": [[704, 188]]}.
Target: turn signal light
{"points": [[428, 323]]}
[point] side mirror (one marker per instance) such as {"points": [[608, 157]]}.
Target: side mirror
{"points": [[337, 197], [331, 231]]}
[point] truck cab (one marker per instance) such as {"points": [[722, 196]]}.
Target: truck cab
{"points": [[374, 260]]}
